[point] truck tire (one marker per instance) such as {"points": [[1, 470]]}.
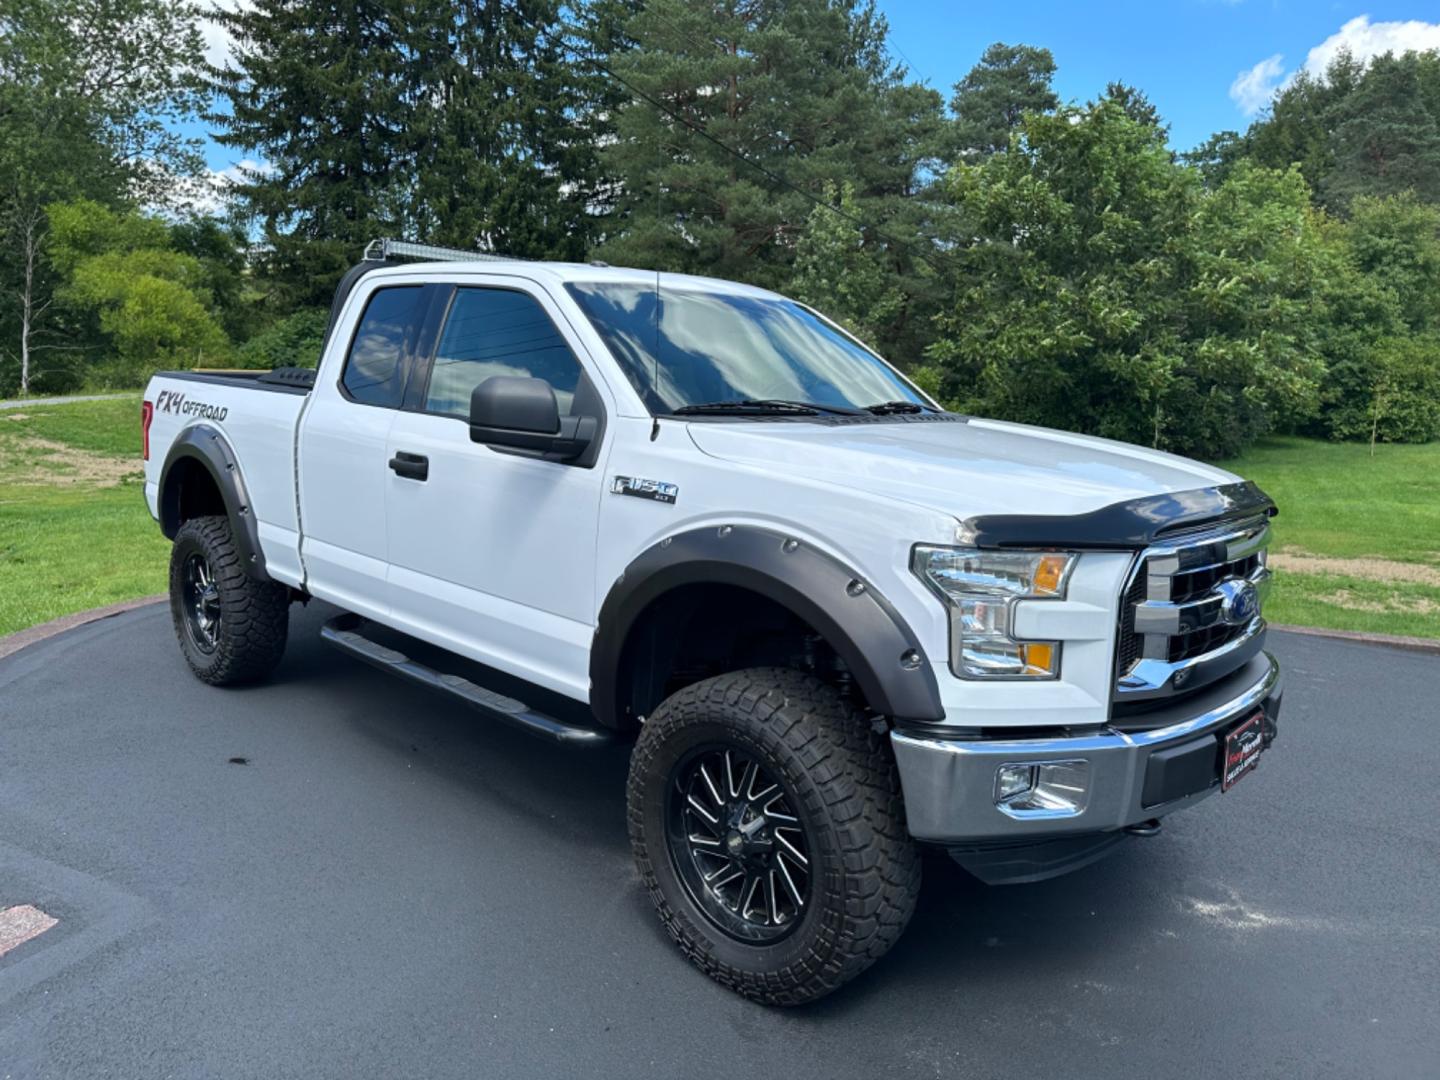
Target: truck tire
{"points": [[232, 628], [767, 823]]}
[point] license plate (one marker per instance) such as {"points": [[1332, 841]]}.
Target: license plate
{"points": [[1243, 746]]}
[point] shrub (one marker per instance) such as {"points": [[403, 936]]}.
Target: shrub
{"points": [[1391, 395], [292, 341]]}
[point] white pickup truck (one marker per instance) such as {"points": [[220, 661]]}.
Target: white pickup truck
{"points": [[836, 621]]}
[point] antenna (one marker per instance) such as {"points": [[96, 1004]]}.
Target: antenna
{"points": [[380, 250]]}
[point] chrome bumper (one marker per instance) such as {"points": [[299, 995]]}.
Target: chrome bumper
{"points": [[949, 783]]}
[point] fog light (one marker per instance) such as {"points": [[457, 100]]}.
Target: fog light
{"points": [[1012, 780], [1042, 788]]}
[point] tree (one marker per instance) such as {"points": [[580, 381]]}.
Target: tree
{"points": [[1396, 241], [1394, 396], [1216, 157], [837, 274], [1099, 287], [743, 112], [1135, 104], [1385, 137], [466, 123], [990, 101], [89, 93], [1298, 127], [148, 299], [1358, 128]]}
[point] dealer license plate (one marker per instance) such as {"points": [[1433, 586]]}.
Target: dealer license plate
{"points": [[1243, 746]]}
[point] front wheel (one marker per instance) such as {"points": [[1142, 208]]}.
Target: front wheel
{"points": [[768, 826], [232, 628]]}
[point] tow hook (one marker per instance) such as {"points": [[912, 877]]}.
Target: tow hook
{"points": [[1144, 828]]}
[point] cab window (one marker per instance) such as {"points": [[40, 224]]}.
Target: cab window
{"points": [[498, 332], [375, 368]]}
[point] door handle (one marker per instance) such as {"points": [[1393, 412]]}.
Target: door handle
{"points": [[410, 466]]}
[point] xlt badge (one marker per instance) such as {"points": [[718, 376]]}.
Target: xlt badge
{"points": [[641, 488]]}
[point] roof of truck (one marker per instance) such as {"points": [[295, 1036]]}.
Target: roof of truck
{"points": [[566, 273]]}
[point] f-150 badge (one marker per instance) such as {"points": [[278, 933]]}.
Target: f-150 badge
{"points": [[641, 488]]}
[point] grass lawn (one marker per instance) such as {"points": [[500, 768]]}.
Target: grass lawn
{"points": [[1357, 542], [74, 531]]}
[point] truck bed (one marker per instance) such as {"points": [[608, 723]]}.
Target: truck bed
{"points": [[283, 380], [255, 413]]}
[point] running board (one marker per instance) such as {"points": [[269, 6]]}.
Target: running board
{"points": [[342, 632]]}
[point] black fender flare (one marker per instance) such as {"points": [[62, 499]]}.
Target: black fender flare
{"points": [[859, 623], [204, 445]]}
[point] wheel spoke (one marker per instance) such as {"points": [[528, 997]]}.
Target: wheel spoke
{"points": [[795, 897], [721, 877], [747, 781], [710, 786], [747, 893], [789, 849], [701, 809]]}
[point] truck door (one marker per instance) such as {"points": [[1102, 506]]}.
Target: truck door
{"points": [[342, 464], [492, 554]]}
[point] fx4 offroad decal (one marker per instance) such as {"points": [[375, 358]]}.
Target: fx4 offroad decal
{"points": [[641, 488], [172, 401]]}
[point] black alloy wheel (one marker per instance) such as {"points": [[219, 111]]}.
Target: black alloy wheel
{"points": [[737, 845]]}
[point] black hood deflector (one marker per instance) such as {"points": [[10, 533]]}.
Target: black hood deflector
{"points": [[1133, 524]]}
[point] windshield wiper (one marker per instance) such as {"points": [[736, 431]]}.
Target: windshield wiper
{"points": [[778, 406], [887, 408]]}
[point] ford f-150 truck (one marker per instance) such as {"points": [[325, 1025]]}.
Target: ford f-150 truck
{"points": [[836, 621]]}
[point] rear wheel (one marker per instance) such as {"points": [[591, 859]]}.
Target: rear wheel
{"points": [[766, 821], [231, 627]]}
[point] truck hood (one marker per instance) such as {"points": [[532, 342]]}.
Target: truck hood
{"points": [[962, 468]]}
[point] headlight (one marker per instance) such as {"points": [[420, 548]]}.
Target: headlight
{"points": [[980, 589]]}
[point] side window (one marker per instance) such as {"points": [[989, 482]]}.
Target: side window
{"points": [[375, 368], [498, 332]]}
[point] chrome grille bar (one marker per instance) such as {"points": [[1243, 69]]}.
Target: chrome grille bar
{"points": [[1198, 616]]}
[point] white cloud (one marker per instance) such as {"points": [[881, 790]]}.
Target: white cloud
{"points": [[218, 45], [206, 194], [1365, 40], [1253, 89]]}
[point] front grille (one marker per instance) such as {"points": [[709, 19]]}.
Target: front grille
{"points": [[1130, 642], [1190, 587], [1178, 588]]}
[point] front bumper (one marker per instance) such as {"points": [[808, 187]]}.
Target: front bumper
{"points": [[949, 783]]}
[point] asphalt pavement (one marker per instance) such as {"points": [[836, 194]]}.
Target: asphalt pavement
{"points": [[340, 875]]}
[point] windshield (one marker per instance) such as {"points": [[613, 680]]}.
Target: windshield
{"points": [[714, 348]]}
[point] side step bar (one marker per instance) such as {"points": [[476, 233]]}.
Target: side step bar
{"points": [[343, 633]]}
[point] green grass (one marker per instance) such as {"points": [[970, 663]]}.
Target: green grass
{"points": [[1338, 502], [101, 427], [74, 530]]}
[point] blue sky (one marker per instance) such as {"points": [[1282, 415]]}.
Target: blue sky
{"points": [[1208, 65], [1185, 54]]}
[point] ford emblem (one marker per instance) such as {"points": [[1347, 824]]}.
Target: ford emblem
{"points": [[1239, 602]]}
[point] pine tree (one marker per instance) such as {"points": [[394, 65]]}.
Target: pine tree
{"points": [[316, 89], [745, 99], [463, 122], [1386, 139], [989, 102]]}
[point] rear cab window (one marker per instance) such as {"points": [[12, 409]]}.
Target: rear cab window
{"points": [[375, 366]]}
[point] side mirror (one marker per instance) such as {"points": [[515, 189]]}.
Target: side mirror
{"points": [[522, 415]]}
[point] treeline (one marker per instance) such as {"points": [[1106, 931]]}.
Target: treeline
{"points": [[1022, 257]]}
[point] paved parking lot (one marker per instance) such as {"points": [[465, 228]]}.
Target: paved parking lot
{"points": [[391, 887]]}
